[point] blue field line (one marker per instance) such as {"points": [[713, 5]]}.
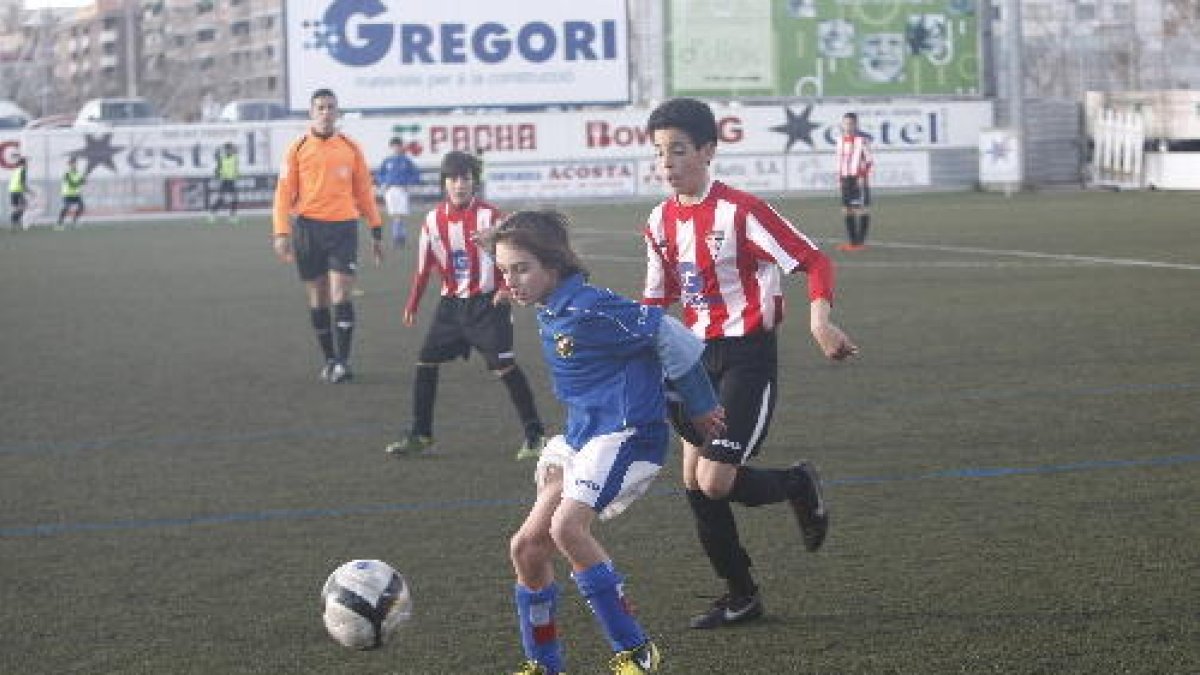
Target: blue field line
{"points": [[272, 515], [271, 435]]}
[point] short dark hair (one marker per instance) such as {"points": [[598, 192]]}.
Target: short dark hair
{"points": [[459, 163], [690, 116], [544, 235], [323, 92], [851, 116]]}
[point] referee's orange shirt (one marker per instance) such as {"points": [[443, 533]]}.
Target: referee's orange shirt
{"points": [[324, 179]]}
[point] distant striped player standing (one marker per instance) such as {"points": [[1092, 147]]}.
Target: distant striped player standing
{"points": [[854, 163], [468, 316]]}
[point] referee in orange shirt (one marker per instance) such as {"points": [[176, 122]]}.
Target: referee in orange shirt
{"points": [[324, 189]]}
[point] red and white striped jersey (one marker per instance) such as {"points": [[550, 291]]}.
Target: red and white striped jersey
{"points": [[449, 243], [721, 258], [854, 155]]}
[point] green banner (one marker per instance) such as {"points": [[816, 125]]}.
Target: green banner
{"points": [[822, 48]]}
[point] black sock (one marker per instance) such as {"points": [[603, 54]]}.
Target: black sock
{"points": [[321, 324], [343, 317], [851, 229], [425, 385], [756, 487], [719, 538], [522, 398], [864, 222]]}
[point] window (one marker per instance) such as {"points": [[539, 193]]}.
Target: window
{"points": [[206, 35]]}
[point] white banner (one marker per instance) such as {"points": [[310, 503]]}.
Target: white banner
{"points": [[390, 55], [557, 181], [621, 134]]}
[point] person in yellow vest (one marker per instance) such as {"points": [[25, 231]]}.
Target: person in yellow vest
{"points": [[227, 172], [18, 192], [72, 194]]}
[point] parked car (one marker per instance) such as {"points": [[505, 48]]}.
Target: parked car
{"points": [[52, 122], [253, 110], [12, 116], [112, 112]]}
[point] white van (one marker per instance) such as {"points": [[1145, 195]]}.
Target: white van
{"points": [[12, 116], [253, 110], [114, 112]]}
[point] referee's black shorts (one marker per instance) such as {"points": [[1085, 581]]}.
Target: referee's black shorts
{"points": [[744, 371], [322, 246], [463, 324]]}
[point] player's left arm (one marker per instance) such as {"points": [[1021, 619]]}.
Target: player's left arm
{"points": [[778, 241], [363, 185]]}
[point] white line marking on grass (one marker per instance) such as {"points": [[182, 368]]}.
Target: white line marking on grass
{"points": [[1080, 259], [1057, 259]]}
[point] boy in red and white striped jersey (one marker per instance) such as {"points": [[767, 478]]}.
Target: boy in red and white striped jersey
{"points": [[854, 170], [720, 252], [471, 314]]}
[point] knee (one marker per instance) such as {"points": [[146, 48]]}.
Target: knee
{"points": [[715, 484], [528, 549], [565, 533]]}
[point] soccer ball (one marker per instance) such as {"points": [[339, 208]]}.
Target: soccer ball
{"points": [[365, 602]]}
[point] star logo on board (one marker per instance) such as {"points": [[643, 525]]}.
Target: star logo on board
{"points": [[797, 127], [998, 151], [98, 150]]}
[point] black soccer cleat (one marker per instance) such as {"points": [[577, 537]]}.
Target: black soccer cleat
{"points": [[809, 506], [727, 610]]}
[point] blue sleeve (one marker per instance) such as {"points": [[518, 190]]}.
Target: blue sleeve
{"points": [[696, 390], [678, 348]]}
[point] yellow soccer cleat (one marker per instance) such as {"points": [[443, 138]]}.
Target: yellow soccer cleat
{"points": [[644, 659]]}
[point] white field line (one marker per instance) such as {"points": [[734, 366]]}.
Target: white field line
{"points": [[1052, 259]]}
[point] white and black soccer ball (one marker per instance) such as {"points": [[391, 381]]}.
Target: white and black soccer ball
{"points": [[365, 602]]}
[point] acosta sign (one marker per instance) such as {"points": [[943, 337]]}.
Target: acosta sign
{"points": [[422, 55]]}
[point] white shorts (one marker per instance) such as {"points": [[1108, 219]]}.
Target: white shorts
{"points": [[609, 472], [395, 198]]}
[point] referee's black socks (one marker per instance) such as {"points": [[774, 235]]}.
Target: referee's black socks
{"points": [[323, 327], [343, 319]]}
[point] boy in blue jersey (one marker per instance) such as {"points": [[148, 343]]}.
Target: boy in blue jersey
{"points": [[396, 174], [608, 356]]}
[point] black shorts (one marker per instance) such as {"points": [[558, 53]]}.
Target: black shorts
{"points": [[744, 371], [323, 246], [16, 200], [461, 324], [73, 200], [856, 192]]}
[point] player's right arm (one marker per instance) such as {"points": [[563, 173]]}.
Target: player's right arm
{"points": [[426, 262], [661, 287], [286, 195]]}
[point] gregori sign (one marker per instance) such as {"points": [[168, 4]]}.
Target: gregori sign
{"points": [[391, 55]]}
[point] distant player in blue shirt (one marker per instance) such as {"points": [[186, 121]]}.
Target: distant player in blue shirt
{"points": [[608, 357], [395, 175]]}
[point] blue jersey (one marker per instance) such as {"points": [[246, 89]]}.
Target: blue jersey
{"points": [[603, 357], [398, 170]]}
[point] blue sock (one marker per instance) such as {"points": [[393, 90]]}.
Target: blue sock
{"points": [[539, 633], [601, 585], [399, 230]]}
